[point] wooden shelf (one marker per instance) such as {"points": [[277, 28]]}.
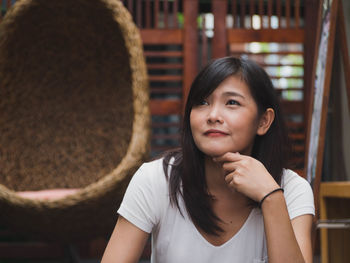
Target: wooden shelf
{"points": [[334, 204]]}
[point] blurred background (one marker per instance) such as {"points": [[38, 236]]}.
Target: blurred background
{"points": [[97, 50]]}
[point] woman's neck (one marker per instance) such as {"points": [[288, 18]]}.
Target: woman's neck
{"points": [[217, 186], [214, 174]]}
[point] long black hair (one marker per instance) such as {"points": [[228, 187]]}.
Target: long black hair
{"points": [[187, 173]]}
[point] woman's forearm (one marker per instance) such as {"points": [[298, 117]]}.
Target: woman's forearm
{"points": [[126, 243], [282, 245]]}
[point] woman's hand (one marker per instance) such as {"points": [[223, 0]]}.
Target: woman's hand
{"points": [[286, 241], [246, 175]]}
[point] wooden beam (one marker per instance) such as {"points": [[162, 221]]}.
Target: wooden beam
{"points": [[163, 36], [163, 53], [265, 35], [164, 66], [165, 107], [335, 189], [165, 78]]}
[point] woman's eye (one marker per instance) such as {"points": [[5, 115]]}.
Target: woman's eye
{"points": [[233, 102], [203, 102]]}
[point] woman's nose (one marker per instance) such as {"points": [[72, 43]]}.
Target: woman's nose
{"points": [[214, 115]]}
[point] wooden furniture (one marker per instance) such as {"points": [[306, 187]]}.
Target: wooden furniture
{"points": [[335, 205]]}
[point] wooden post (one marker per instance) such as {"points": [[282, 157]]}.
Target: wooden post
{"points": [[138, 14], [251, 12], [166, 13], [148, 14], [156, 13], [327, 80], [190, 45], [269, 12], [316, 131], [311, 16], [344, 49], [287, 13], [204, 51], [219, 9], [261, 13], [175, 10], [279, 12], [297, 13], [242, 16]]}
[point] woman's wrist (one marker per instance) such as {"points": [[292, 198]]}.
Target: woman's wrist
{"points": [[269, 194]]}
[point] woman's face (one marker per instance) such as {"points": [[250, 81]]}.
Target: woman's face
{"points": [[227, 120]]}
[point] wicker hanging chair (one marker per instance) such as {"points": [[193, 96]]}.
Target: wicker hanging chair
{"points": [[73, 115]]}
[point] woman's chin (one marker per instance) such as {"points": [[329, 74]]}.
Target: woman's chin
{"points": [[215, 153]]}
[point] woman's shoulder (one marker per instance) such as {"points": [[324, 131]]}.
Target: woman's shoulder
{"points": [[291, 178], [151, 171], [298, 194], [152, 165], [146, 196], [158, 164]]}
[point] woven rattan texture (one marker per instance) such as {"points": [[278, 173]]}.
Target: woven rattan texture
{"points": [[65, 116], [73, 113]]}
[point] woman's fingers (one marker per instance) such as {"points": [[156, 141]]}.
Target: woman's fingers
{"points": [[229, 178], [229, 162], [246, 175], [228, 157]]}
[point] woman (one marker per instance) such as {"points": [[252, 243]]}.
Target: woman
{"points": [[220, 198]]}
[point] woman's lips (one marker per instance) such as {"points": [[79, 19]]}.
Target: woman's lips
{"points": [[215, 133]]}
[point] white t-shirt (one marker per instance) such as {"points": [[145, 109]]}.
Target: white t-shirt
{"points": [[175, 239]]}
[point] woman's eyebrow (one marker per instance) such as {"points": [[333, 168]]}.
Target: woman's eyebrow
{"points": [[232, 93]]}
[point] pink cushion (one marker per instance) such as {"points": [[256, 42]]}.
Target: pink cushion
{"points": [[51, 194]]}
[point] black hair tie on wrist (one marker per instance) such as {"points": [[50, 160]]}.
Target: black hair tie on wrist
{"points": [[273, 191]]}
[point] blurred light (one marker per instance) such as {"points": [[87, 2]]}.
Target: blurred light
{"points": [[283, 83], [254, 47], [256, 22], [274, 22]]}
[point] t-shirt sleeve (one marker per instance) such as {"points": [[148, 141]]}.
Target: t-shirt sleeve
{"points": [[140, 205], [298, 195]]}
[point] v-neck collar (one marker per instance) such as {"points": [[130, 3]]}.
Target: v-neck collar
{"points": [[231, 239]]}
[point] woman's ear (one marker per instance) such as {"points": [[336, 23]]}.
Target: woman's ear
{"points": [[265, 121]]}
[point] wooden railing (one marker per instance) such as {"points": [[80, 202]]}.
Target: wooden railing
{"points": [[154, 13], [287, 13], [170, 48]]}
